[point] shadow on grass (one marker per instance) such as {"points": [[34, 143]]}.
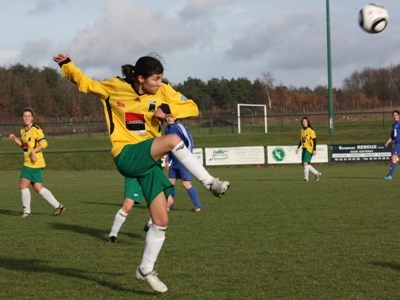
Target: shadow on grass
{"points": [[41, 266], [9, 212], [93, 232], [357, 177], [136, 206], [392, 266], [17, 213]]}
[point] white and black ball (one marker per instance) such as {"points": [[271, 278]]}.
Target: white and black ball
{"points": [[373, 18]]}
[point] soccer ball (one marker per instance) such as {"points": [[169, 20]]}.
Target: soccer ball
{"points": [[373, 18]]}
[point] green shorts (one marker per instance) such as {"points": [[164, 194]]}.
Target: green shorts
{"points": [[136, 162], [306, 156], [133, 190], [35, 175]]}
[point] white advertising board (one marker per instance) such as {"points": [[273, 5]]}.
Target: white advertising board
{"points": [[287, 155], [235, 156], [198, 153]]}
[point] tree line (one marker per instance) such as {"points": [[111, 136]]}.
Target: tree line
{"points": [[53, 97]]}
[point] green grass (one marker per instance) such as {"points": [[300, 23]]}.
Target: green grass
{"points": [[272, 236]]}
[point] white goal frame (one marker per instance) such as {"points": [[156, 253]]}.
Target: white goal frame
{"points": [[259, 105]]}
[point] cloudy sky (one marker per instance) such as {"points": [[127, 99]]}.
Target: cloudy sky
{"points": [[202, 39]]}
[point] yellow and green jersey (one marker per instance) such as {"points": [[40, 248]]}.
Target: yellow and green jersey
{"points": [[307, 137], [30, 139], [129, 116]]}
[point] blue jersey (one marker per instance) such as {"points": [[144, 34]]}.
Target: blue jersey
{"points": [[395, 134], [184, 135]]}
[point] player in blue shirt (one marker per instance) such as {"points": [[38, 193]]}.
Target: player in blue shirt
{"points": [[394, 136], [175, 169]]}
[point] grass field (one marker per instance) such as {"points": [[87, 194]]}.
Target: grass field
{"points": [[272, 236]]}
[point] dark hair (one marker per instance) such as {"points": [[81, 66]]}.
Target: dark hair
{"points": [[308, 122], [27, 109], [145, 66], [396, 111]]}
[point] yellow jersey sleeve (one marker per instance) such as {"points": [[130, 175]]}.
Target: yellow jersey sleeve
{"points": [[180, 106], [129, 116]]}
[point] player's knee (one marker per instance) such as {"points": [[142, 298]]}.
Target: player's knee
{"points": [[186, 184], [174, 140], [128, 205], [161, 221]]}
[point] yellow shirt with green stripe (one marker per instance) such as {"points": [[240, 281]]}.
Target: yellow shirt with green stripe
{"points": [[129, 116], [30, 139], [306, 137]]}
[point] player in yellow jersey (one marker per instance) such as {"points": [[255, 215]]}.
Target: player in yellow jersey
{"points": [[33, 142], [134, 107], [308, 142]]}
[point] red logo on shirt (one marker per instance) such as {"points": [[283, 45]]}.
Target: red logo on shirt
{"points": [[135, 122], [120, 104]]}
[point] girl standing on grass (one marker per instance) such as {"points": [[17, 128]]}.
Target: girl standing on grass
{"points": [[33, 142], [308, 142], [134, 107], [394, 136]]}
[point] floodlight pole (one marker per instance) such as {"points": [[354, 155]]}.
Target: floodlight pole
{"points": [[330, 94]]}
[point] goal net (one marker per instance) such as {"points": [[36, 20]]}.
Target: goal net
{"points": [[255, 114]]}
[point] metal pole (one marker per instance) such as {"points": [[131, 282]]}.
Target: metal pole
{"points": [[330, 95]]}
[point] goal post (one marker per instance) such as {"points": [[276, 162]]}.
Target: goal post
{"points": [[252, 105]]}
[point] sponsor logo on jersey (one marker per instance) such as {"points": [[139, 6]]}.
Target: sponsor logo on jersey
{"points": [[120, 104], [152, 106], [135, 123]]}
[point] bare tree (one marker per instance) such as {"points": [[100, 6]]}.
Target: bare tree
{"points": [[267, 83]]}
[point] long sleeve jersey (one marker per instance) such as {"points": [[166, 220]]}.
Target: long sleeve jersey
{"points": [[308, 139], [395, 133], [129, 116], [30, 139]]}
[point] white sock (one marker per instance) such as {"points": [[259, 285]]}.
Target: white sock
{"points": [[48, 196], [154, 241], [306, 170], [189, 161], [26, 200], [119, 219], [311, 168]]}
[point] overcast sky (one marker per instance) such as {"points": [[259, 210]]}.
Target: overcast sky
{"points": [[202, 39]]}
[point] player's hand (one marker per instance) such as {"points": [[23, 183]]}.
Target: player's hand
{"points": [[12, 137], [33, 156], [159, 115], [60, 58]]}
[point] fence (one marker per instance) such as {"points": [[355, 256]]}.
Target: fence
{"points": [[221, 124], [85, 145]]}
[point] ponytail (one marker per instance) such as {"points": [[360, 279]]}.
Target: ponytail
{"points": [[127, 71]]}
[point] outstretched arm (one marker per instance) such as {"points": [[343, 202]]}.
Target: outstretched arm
{"points": [[84, 83], [59, 58]]}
